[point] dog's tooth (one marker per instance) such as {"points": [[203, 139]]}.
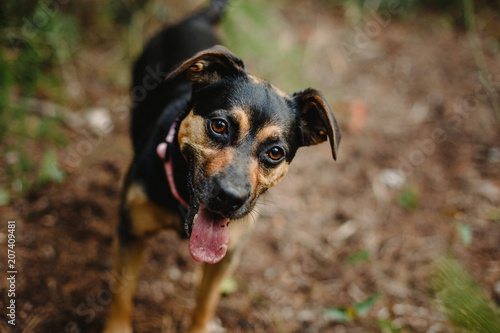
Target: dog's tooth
{"points": [[195, 218]]}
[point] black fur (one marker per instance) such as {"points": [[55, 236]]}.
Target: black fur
{"points": [[164, 51]]}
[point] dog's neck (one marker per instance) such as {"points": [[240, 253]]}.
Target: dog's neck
{"points": [[164, 150]]}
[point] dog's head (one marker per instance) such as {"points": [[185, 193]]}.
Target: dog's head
{"points": [[239, 138]]}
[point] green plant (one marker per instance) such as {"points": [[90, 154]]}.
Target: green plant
{"points": [[363, 255], [408, 199], [35, 40], [4, 196], [388, 326], [229, 286], [347, 314], [465, 233], [493, 214], [463, 301], [49, 170]]}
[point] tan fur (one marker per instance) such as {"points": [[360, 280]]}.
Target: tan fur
{"points": [[127, 268], [219, 160], [274, 176], [262, 179], [243, 121], [255, 79], [147, 218], [270, 131], [150, 217], [192, 133]]}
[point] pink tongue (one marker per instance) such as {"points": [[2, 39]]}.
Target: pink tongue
{"points": [[209, 238]]}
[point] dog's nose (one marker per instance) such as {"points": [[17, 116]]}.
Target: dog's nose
{"points": [[230, 198]]}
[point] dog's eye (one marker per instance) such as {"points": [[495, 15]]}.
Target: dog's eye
{"points": [[276, 153], [219, 126]]}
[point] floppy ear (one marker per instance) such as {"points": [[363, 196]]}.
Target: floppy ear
{"points": [[317, 120], [209, 66]]}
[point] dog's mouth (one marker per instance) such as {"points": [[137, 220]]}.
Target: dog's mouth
{"points": [[208, 231], [209, 236], [207, 223]]}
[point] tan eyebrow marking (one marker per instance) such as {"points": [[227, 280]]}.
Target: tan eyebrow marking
{"points": [[270, 131], [244, 122]]}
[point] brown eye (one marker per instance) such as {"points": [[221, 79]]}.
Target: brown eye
{"points": [[276, 153], [219, 126]]}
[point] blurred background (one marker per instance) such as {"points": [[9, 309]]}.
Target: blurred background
{"points": [[401, 234]]}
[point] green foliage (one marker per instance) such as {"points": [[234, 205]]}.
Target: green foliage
{"points": [[362, 308], [229, 286], [363, 255], [347, 314], [33, 40], [388, 326], [443, 6], [24, 164], [4, 196], [36, 38], [403, 6], [493, 214], [49, 170], [465, 232], [464, 302], [6, 83], [408, 199], [36, 43], [16, 170], [47, 129], [340, 314]]}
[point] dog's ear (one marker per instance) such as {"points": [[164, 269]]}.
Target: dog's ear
{"points": [[209, 66], [317, 120]]}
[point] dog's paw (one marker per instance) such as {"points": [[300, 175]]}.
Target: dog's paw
{"points": [[215, 326]]}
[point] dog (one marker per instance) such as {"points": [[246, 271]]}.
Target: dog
{"points": [[209, 139]]}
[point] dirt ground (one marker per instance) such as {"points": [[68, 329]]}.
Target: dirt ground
{"points": [[416, 125]]}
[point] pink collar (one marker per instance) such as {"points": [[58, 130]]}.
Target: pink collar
{"points": [[162, 151]]}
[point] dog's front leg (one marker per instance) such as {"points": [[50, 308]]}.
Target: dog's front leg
{"points": [[213, 274], [138, 218], [129, 258]]}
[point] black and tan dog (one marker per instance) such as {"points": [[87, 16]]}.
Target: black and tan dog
{"points": [[209, 139]]}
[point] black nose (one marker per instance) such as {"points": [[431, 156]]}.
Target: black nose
{"points": [[229, 199]]}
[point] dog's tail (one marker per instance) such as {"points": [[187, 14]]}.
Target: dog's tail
{"points": [[215, 11]]}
